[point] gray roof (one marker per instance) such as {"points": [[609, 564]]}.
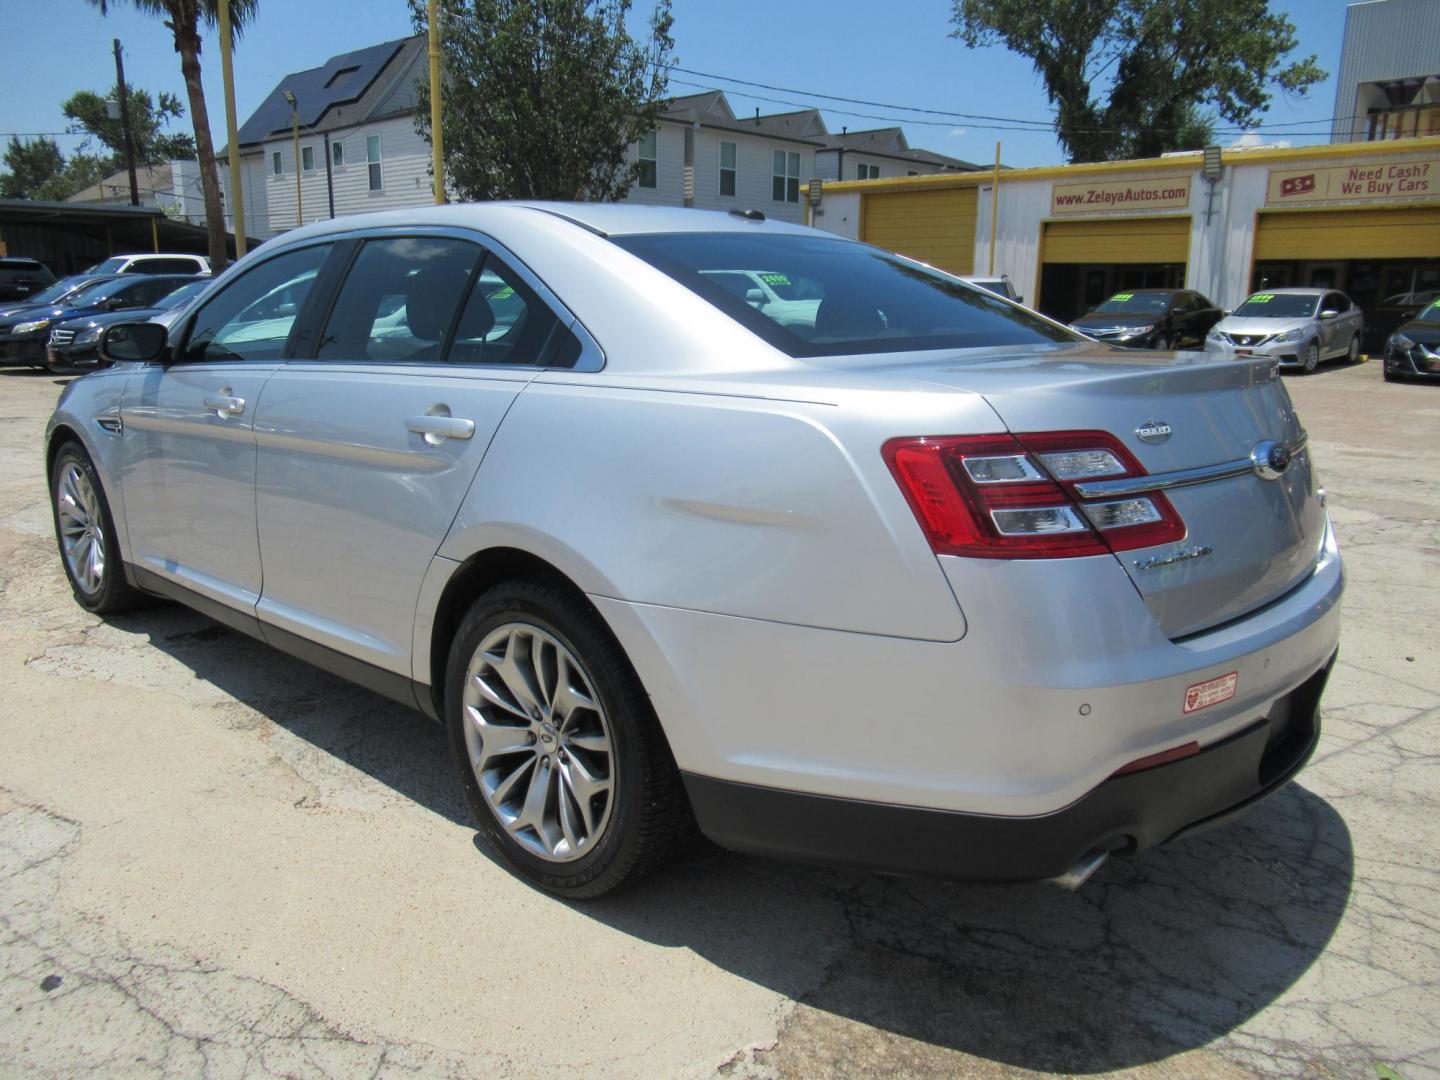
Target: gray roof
{"points": [[352, 88], [890, 142], [711, 109]]}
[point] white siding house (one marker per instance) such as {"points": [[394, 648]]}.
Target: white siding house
{"points": [[880, 154], [359, 148]]}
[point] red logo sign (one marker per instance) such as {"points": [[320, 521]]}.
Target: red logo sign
{"points": [[1297, 185]]}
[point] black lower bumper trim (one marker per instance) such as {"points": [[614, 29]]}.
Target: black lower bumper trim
{"points": [[1125, 813]]}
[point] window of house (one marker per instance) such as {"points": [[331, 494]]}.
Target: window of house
{"points": [[276, 166], [372, 158], [867, 172], [727, 168], [785, 180], [337, 154], [648, 152], [911, 172], [307, 158]]}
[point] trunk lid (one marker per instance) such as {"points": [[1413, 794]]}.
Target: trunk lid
{"points": [[1263, 535]]}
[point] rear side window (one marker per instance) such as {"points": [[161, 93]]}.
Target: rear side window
{"points": [[836, 297], [504, 322], [399, 300], [251, 318]]}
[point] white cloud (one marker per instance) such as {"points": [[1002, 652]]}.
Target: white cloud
{"points": [[955, 133], [1253, 139]]}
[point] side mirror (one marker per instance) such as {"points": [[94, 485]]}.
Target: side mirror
{"points": [[1329, 313], [115, 303], [1019, 299], [755, 296], [133, 343]]}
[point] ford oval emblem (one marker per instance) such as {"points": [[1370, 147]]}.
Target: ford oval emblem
{"points": [[1153, 431]]}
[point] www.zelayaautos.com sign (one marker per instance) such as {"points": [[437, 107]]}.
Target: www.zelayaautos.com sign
{"points": [[1163, 193], [1413, 179]]}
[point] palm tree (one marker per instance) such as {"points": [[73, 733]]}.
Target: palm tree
{"points": [[183, 18]]}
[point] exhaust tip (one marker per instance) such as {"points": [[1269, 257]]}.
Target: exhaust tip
{"points": [[1077, 875]]}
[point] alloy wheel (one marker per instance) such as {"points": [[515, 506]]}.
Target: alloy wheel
{"points": [[1312, 357], [539, 742], [82, 536]]}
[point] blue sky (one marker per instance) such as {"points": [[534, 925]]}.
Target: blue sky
{"points": [[897, 52]]}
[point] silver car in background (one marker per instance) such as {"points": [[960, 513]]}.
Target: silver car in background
{"points": [[915, 579], [1298, 327]]}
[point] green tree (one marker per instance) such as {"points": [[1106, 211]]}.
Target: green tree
{"points": [[183, 18], [31, 167], [88, 113], [36, 169], [543, 97], [1131, 78]]}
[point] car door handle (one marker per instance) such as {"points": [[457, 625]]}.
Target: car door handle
{"points": [[437, 428], [225, 405]]}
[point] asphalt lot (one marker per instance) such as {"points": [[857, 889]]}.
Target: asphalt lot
{"points": [[217, 861]]}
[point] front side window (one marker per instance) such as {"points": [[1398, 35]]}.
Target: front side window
{"points": [[785, 182], [252, 317], [307, 158], [276, 165], [727, 169], [1263, 305], [372, 159], [399, 300], [647, 151], [867, 172], [834, 297]]}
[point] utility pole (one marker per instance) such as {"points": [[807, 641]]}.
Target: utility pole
{"points": [[237, 197], [437, 132], [125, 125]]}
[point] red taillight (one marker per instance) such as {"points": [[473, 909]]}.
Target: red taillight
{"points": [[1014, 497]]}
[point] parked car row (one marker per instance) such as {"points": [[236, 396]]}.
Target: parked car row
{"points": [[1301, 328], [28, 333]]}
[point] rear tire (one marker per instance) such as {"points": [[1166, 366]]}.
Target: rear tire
{"points": [[568, 773], [1353, 355], [85, 534]]}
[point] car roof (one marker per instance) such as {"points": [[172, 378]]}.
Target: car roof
{"points": [[19, 260], [1312, 291], [605, 219]]}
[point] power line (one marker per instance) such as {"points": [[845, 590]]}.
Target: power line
{"points": [[976, 120]]}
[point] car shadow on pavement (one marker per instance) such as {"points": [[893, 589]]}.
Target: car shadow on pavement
{"points": [[1155, 955]]}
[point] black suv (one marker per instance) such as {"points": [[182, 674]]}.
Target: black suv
{"points": [[21, 279]]}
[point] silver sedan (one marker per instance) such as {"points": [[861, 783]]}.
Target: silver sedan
{"points": [[911, 578], [1298, 327]]}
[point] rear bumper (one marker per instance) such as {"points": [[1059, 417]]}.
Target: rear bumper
{"points": [[1126, 813]]}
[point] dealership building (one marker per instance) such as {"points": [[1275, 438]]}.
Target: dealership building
{"points": [[1362, 217]]}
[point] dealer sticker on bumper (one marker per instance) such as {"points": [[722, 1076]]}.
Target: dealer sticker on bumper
{"points": [[1210, 692]]}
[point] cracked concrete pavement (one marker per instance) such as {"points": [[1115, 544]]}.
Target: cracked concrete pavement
{"points": [[217, 861]]}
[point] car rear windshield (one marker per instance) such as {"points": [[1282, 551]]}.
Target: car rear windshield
{"points": [[814, 296], [108, 266], [1266, 305], [1136, 303]]}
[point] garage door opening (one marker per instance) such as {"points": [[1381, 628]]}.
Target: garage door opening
{"points": [[1387, 261], [1084, 263]]}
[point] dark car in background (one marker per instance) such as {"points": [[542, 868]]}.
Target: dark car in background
{"points": [[23, 334], [63, 291], [1151, 319], [73, 346], [22, 278], [1413, 350]]}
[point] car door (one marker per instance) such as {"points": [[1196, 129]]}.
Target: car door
{"points": [[188, 443], [366, 448], [1204, 316], [1334, 332]]}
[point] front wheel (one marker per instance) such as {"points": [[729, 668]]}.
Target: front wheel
{"points": [[1352, 356], [1312, 357], [560, 754], [85, 532]]}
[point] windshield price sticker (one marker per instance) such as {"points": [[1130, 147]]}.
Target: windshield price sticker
{"points": [[1210, 692], [1262, 298], [1123, 296], [775, 279]]}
